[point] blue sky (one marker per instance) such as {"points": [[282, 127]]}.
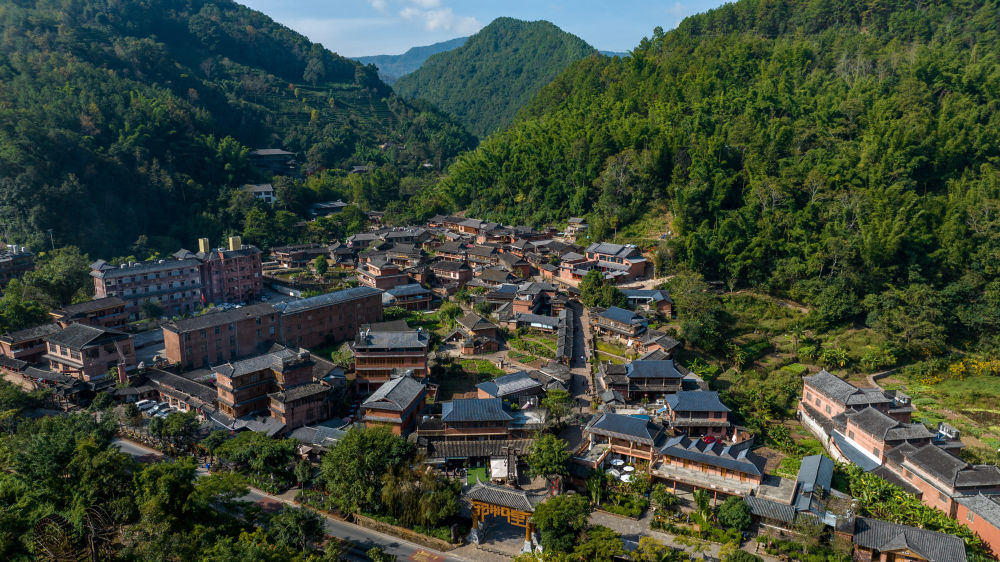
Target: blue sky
{"points": [[373, 27]]}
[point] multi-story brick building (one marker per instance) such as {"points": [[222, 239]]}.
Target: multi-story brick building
{"points": [[108, 312], [868, 435], [448, 272], [221, 336], [174, 284], [937, 477], [232, 334], [231, 274], [15, 261], [981, 513], [244, 385], [328, 318], [619, 263], [381, 352], [381, 274], [28, 344], [397, 404], [825, 396], [302, 405], [89, 353]]}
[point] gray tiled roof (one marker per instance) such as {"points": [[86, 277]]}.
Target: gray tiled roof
{"points": [[887, 537], [408, 290], [768, 509], [473, 409], [164, 379], [111, 271], [27, 334], [736, 457], [328, 299], [403, 339], [831, 385], [504, 496], [449, 265], [952, 470], [474, 322], [90, 306], [301, 391], [664, 368], [511, 384], [75, 336], [985, 507], [395, 395], [212, 319], [816, 471], [653, 295], [621, 315], [696, 401], [630, 428]]}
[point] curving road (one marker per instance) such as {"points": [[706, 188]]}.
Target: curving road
{"points": [[359, 538]]}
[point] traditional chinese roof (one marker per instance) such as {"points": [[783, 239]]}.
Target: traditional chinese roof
{"points": [[696, 401], [508, 385], [737, 456], [630, 428], [889, 537], [395, 395], [474, 409], [504, 496]]}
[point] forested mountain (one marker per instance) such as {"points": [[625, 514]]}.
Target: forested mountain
{"points": [[487, 80], [845, 153], [392, 67], [121, 118]]}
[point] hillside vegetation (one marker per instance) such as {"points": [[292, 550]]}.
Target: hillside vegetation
{"points": [[122, 118], [844, 153], [486, 81], [392, 67]]}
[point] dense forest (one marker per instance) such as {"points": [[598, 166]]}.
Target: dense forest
{"points": [[497, 71], [392, 67], [844, 153], [122, 118]]}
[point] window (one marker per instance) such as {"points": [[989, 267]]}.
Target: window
{"points": [[942, 497], [818, 402], [876, 452], [850, 434], [908, 474], [971, 517], [809, 396], [828, 410]]}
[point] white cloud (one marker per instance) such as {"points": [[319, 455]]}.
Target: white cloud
{"points": [[380, 5], [426, 4], [440, 19]]}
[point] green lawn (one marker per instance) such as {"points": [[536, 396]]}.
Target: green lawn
{"points": [[481, 366], [521, 357], [610, 348], [611, 358], [477, 474]]}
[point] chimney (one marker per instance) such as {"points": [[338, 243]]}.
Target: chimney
{"points": [[122, 377], [203, 246], [235, 243]]}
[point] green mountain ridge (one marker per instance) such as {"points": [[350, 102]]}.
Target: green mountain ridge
{"points": [[392, 67], [845, 154], [487, 80], [133, 117]]}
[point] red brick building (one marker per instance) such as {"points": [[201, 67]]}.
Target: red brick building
{"points": [[303, 405], [232, 274], [222, 336], [108, 312], [89, 353], [15, 261], [243, 386], [28, 344], [381, 274], [981, 513], [696, 413], [397, 404]]}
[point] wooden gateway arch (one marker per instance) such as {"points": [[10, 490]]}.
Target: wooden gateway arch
{"points": [[516, 506]]}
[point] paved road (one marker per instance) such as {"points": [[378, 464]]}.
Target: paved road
{"points": [[361, 539]]}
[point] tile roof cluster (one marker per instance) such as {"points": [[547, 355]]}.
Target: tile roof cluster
{"points": [[638, 430], [28, 334], [696, 401], [77, 336], [844, 392], [503, 496], [736, 456], [474, 410], [885, 428], [509, 385], [950, 469], [889, 537], [395, 395]]}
